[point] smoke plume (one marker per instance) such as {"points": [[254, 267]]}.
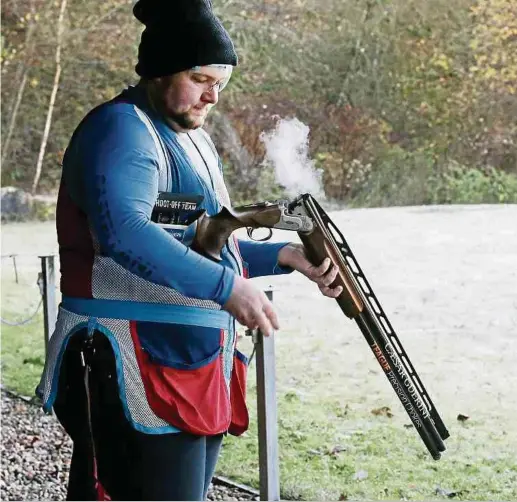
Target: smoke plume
{"points": [[287, 150]]}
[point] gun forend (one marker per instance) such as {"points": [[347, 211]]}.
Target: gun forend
{"points": [[318, 247]]}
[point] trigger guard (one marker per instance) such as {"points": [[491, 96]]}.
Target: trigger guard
{"points": [[250, 234]]}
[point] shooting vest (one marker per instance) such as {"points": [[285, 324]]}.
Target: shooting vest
{"points": [[151, 327]]}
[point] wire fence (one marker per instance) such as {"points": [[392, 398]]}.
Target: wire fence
{"points": [[28, 271], [13, 258], [24, 321]]}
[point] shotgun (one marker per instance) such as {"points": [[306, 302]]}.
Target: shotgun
{"points": [[321, 238]]}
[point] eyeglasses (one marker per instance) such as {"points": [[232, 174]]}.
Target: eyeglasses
{"points": [[198, 78], [221, 84]]}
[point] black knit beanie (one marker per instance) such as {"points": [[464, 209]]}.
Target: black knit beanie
{"points": [[178, 35]]}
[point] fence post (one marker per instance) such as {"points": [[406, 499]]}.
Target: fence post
{"points": [[13, 256], [48, 277], [267, 415]]}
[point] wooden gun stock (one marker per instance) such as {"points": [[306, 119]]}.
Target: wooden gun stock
{"points": [[213, 232]]}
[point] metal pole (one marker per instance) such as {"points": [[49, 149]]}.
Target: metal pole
{"points": [[267, 415], [13, 256], [48, 277]]}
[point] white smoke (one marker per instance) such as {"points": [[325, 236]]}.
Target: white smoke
{"points": [[287, 150]]}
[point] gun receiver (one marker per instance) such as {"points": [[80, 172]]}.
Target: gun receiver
{"points": [[321, 239]]}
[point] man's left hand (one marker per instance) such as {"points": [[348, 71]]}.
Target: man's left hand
{"points": [[293, 255]]}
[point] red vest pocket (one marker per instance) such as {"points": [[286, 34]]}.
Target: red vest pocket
{"points": [[194, 399], [240, 418]]}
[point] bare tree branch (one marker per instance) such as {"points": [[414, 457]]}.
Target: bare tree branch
{"points": [[21, 76], [14, 114], [60, 29], [94, 23]]}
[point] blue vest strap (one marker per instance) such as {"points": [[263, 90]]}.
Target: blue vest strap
{"points": [[152, 312]]}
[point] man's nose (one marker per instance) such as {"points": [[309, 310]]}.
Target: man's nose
{"points": [[211, 96]]}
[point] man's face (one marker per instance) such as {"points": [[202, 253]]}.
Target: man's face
{"points": [[186, 97]]}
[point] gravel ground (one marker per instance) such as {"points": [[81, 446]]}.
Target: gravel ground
{"points": [[36, 455]]}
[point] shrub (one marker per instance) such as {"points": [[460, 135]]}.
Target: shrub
{"points": [[463, 185]]}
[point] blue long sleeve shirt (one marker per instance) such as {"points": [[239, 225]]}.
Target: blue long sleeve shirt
{"points": [[111, 170]]}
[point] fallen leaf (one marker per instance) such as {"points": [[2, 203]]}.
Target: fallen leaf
{"points": [[384, 410]]}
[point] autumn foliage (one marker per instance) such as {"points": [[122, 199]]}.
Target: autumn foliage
{"points": [[408, 102]]}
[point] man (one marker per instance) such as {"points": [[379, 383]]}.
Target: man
{"points": [[142, 369]]}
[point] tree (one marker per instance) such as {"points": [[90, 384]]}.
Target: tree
{"points": [[53, 94]]}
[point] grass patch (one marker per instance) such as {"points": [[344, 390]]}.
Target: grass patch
{"points": [[328, 454], [23, 347], [23, 354]]}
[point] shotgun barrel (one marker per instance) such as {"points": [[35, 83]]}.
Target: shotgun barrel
{"points": [[358, 302]]}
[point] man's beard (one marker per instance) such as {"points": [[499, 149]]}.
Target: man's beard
{"points": [[187, 121]]}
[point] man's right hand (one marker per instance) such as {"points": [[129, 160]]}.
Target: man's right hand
{"points": [[251, 307]]}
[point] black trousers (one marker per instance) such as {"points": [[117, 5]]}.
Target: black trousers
{"points": [[131, 465]]}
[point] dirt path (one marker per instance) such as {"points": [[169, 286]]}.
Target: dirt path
{"points": [[447, 279]]}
